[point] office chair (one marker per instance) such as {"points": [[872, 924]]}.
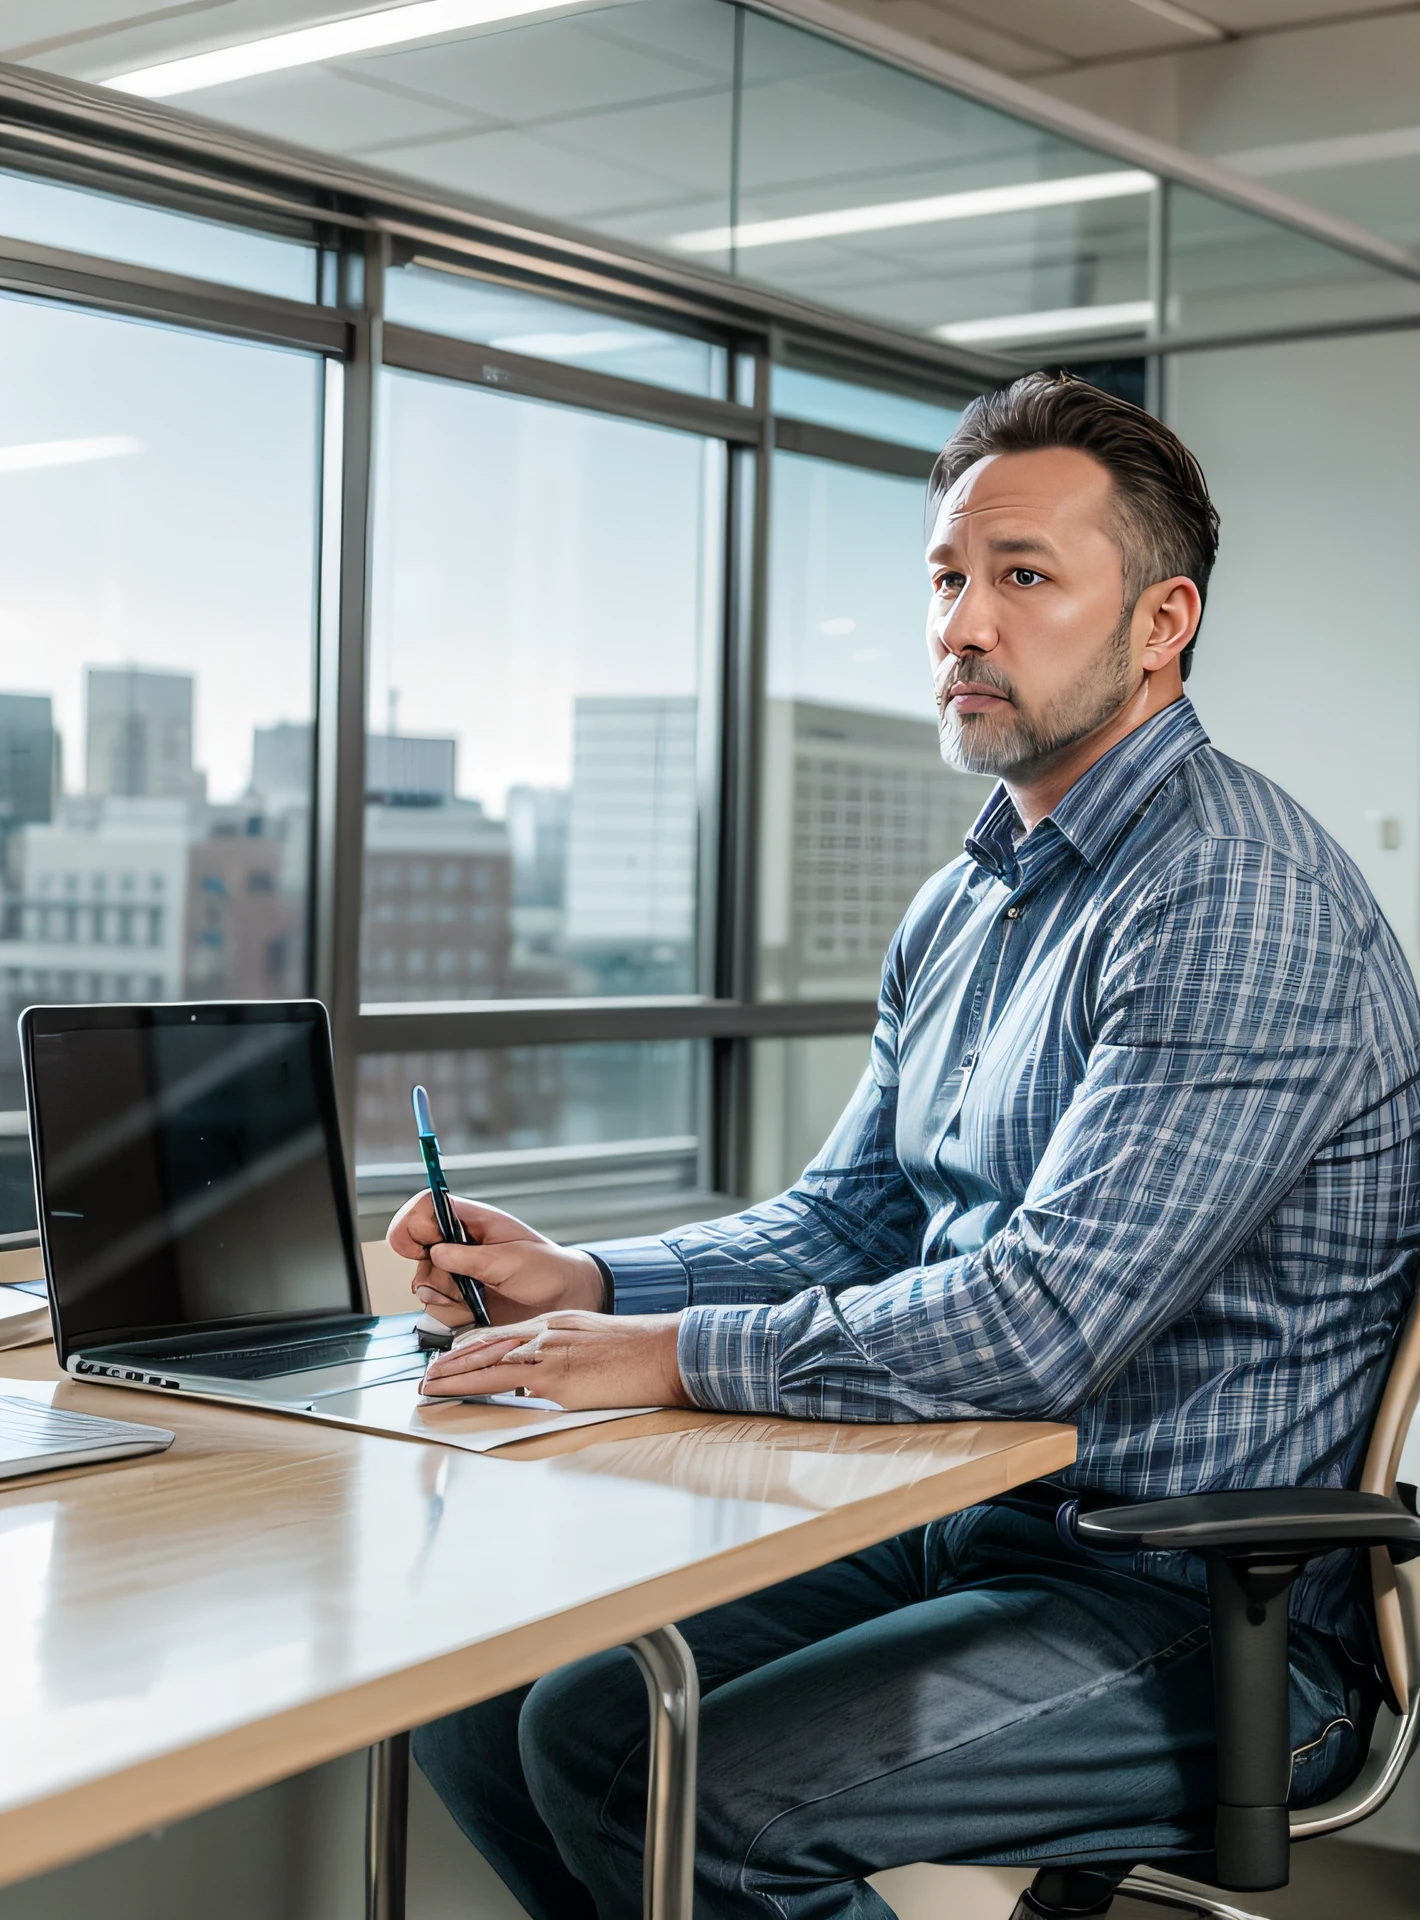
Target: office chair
{"points": [[1254, 1544]]}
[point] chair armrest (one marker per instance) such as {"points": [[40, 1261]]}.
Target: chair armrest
{"points": [[1253, 1544], [1255, 1523]]}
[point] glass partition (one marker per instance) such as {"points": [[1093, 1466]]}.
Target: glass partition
{"points": [[861, 186], [546, 586], [617, 118], [1230, 270], [761, 149]]}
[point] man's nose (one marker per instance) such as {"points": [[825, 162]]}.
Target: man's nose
{"points": [[970, 627]]}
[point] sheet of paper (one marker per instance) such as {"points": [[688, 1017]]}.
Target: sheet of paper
{"points": [[478, 1426]]}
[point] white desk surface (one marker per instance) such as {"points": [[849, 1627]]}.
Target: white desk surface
{"points": [[271, 1593]]}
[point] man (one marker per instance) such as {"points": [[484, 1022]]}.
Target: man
{"points": [[1136, 1149]]}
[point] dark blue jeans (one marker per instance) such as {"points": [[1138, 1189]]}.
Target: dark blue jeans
{"points": [[978, 1690]]}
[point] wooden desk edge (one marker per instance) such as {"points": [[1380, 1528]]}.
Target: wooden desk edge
{"points": [[38, 1835]]}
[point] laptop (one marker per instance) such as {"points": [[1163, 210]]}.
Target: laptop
{"points": [[193, 1203]]}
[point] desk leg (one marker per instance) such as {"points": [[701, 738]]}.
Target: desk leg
{"points": [[386, 1828], [673, 1685]]}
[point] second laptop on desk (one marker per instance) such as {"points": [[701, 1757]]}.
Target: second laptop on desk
{"points": [[193, 1203]]}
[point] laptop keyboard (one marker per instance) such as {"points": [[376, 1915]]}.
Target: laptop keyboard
{"points": [[266, 1363], [28, 1428]]}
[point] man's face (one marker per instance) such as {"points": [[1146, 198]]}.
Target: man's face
{"points": [[1027, 632]]}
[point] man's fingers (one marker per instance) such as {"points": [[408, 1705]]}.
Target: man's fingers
{"points": [[413, 1228], [477, 1262], [469, 1356], [502, 1378], [430, 1279], [491, 1224]]}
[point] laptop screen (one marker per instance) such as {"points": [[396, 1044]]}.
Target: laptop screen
{"points": [[188, 1165]]}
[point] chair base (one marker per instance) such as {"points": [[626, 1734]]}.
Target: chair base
{"points": [[1157, 1889], [1066, 1893]]}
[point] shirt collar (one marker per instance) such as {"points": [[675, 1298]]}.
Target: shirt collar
{"points": [[1105, 798]]}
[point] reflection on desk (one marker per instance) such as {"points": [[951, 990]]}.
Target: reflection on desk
{"points": [[271, 1593]]}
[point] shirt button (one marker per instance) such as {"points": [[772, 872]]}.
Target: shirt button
{"points": [[1013, 913]]}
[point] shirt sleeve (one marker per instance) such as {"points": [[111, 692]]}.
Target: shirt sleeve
{"points": [[851, 1218], [1226, 1052]]}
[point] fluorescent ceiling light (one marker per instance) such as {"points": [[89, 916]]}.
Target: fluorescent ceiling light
{"points": [[66, 453], [1044, 326], [359, 33], [1025, 196]]}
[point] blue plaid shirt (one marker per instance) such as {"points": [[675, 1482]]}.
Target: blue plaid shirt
{"points": [[1136, 1149]]}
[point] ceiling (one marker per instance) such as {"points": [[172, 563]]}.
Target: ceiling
{"points": [[1039, 38], [1021, 37]]}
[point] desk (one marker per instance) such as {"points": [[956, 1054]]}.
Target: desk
{"points": [[270, 1593]]}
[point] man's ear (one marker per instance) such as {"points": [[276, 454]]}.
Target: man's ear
{"points": [[1167, 615]]}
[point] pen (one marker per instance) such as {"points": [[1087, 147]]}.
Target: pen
{"points": [[451, 1228]]}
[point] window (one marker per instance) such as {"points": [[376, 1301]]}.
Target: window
{"points": [[545, 588], [157, 547], [857, 409], [798, 1090], [583, 1136], [858, 809], [62, 216]]}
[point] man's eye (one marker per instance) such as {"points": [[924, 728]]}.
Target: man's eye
{"points": [[1025, 576], [947, 583]]}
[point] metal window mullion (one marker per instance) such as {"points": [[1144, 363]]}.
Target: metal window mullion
{"points": [[142, 293], [1159, 208], [340, 731], [853, 449], [743, 698], [430, 1027]]}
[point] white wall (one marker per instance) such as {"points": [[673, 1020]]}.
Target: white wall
{"points": [[1308, 665]]}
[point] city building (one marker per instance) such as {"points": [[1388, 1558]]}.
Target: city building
{"points": [[243, 923], [632, 843], [283, 762], [538, 819], [138, 735], [858, 810], [437, 925], [438, 899], [29, 765], [99, 913], [407, 770]]}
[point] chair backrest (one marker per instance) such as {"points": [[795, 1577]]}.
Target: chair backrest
{"points": [[1399, 1630]]}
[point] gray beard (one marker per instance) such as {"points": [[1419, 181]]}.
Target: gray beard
{"points": [[1016, 744]]}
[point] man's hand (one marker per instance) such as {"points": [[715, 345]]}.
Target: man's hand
{"points": [[576, 1359], [521, 1271]]}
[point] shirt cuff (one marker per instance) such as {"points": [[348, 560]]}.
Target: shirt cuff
{"points": [[729, 1358], [644, 1275]]}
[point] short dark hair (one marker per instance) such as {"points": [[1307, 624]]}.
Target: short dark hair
{"points": [[1167, 524]]}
